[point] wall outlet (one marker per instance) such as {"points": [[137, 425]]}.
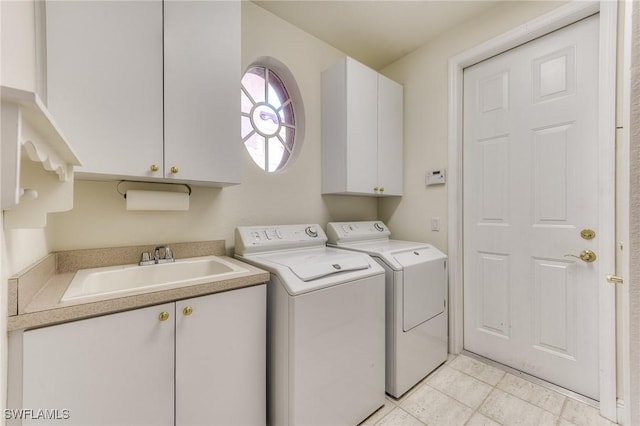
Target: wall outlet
{"points": [[435, 224]]}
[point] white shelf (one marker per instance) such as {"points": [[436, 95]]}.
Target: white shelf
{"points": [[29, 133]]}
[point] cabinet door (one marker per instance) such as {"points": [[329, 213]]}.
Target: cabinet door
{"points": [[104, 66], [111, 370], [362, 138], [221, 359], [389, 136], [202, 90]]}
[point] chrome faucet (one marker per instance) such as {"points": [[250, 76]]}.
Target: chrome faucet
{"points": [[168, 255], [145, 258]]}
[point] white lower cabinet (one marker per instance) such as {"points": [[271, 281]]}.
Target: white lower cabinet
{"points": [[199, 361], [221, 358]]}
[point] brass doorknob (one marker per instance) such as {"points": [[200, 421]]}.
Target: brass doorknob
{"points": [[154, 168], [188, 310], [164, 315], [174, 169], [585, 255]]}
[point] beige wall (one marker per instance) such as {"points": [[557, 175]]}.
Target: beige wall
{"points": [[424, 74], [99, 218]]}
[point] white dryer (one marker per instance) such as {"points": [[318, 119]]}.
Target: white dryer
{"points": [[325, 326], [416, 299]]}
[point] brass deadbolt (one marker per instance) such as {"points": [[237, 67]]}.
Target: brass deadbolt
{"points": [[588, 234]]}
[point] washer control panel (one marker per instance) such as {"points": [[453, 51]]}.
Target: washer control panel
{"points": [[256, 239], [344, 232]]}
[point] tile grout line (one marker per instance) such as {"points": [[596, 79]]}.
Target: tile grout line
{"points": [[456, 399], [477, 410], [566, 397], [479, 379], [453, 398], [382, 418], [425, 382], [532, 379], [564, 405], [401, 409], [413, 416]]}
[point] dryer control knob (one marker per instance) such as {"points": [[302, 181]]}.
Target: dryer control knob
{"points": [[378, 227], [311, 231]]}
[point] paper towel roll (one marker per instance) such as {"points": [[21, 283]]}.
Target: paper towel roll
{"points": [[157, 200]]}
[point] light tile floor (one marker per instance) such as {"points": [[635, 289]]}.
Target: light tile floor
{"points": [[465, 391]]}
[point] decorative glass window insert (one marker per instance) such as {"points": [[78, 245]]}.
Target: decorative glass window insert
{"points": [[268, 120]]}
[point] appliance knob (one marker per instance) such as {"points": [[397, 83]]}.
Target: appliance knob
{"points": [[311, 231], [378, 227]]}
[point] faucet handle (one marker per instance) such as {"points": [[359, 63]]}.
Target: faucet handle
{"points": [[168, 254], [145, 259]]}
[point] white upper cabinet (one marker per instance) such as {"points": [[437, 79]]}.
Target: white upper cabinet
{"points": [[202, 90], [389, 136], [361, 131], [148, 90], [104, 71]]}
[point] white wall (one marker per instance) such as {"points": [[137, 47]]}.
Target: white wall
{"points": [[99, 218], [424, 74]]}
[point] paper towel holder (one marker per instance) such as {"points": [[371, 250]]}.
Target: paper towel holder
{"points": [[124, 194]]}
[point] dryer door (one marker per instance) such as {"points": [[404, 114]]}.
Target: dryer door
{"points": [[424, 286]]}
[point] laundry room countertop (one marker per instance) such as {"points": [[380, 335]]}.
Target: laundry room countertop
{"points": [[34, 294]]}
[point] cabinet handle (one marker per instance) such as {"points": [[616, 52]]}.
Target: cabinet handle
{"points": [[376, 189], [164, 315], [382, 189], [174, 169], [188, 310], [154, 168]]}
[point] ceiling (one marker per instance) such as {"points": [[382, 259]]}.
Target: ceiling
{"points": [[375, 32]]}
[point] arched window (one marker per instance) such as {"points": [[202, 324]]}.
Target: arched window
{"points": [[270, 122]]}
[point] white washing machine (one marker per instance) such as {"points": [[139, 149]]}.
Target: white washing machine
{"points": [[325, 326], [416, 299]]}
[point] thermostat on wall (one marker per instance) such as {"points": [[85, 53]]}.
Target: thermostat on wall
{"points": [[434, 177]]}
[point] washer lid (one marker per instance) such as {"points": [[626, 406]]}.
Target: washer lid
{"points": [[304, 270], [309, 271]]}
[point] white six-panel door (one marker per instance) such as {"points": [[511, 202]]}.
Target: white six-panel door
{"points": [[530, 187]]}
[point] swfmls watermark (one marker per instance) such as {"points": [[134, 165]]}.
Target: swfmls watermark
{"points": [[36, 414]]}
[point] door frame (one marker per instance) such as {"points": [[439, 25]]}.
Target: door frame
{"points": [[556, 19]]}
